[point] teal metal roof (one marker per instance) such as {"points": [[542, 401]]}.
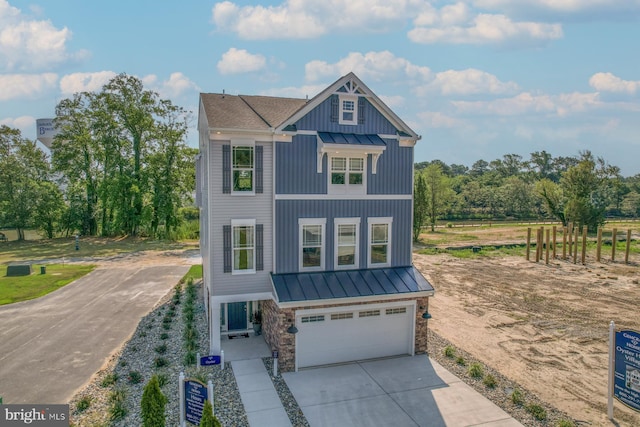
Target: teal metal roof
{"points": [[325, 285], [351, 139]]}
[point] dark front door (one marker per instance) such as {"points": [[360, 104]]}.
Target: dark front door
{"points": [[237, 315]]}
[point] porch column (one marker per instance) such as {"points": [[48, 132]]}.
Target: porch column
{"points": [[214, 327]]}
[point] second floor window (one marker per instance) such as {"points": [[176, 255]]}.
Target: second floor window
{"points": [[312, 238], [380, 242], [347, 173], [242, 168], [243, 248], [346, 242]]}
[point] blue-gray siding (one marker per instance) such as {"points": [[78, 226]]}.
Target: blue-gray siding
{"points": [[287, 229], [299, 159], [319, 119]]}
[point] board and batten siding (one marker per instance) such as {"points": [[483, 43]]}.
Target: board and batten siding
{"points": [[299, 159], [225, 207], [319, 119], [287, 237]]}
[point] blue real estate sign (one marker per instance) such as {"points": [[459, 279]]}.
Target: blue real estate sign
{"points": [[209, 360], [626, 387], [195, 394]]}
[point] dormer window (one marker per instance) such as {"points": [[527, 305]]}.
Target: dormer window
{"points": [[348, 110]]}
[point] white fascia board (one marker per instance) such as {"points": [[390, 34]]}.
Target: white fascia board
{"points": [[323, 196], [256, 296], [217, 134], [378, 298]]}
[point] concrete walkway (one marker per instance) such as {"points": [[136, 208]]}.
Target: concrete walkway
{"points": [[259, 397]]}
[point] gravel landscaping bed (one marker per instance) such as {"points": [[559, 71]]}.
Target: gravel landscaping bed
{"points": [[289, 403], [128, 371], [501, 393]]}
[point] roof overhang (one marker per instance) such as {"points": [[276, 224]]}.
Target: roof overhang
{"points": [[350, 144]]}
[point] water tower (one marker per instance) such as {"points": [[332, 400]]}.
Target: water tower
{"points": [[45, 131]]}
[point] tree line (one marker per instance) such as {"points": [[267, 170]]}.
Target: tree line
{"points": [[581, 189], [119, 165]]}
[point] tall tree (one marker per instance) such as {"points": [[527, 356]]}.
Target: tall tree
{"points": [[439, 193], [419, 205]]}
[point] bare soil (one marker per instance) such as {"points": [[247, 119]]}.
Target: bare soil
{"points": [[543, 326]]}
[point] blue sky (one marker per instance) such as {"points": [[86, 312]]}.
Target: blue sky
{"points": [[476, 78]]}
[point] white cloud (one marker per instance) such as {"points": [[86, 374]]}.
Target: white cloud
{"points": [[23, 123], [312, 18], [480, 29], [470, 81], [176, 85], [85, 82], [566, 6], [376, 66], [527, 103], [607, 82], [236, 61], [306, 91], [25, 85], [29, 44], [436, 119]]}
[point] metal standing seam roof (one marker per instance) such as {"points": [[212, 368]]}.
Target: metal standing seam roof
{"points": [[351, 139], [325, 285]]}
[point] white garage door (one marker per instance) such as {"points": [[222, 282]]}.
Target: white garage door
{"points": [[353, 333]]}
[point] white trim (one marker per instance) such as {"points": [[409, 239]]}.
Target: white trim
{"points": [[346, 188], [259, 296], [346, 221], [343, 197], [379, 220], [266, 136], [333, 150], [244, 143], [342, 98], [243, 223], [350, 300], [322, 222]]}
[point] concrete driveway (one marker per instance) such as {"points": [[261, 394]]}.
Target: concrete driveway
{"points": [[403, 391], [51, 346]]}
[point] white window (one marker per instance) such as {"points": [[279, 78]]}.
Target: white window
{"points": [[347, 175], [346, 243], [379, 242], [369, 313], [312, 319], [348, 110], [242, 168], [312, 237], [243, 246]]}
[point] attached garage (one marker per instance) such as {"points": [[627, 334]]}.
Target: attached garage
{"points": [[343, 334]]}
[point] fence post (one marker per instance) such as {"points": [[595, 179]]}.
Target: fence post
{"points": [[528, 241], [546, 261], [575, 247], [614, 237], [626, 253], [570, 238], [584, 243], [564, 243], [599, 245], [555, 231]]}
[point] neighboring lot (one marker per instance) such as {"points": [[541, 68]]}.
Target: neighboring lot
{"points": [[543, 326]]}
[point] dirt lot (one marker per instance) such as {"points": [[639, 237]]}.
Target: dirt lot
{"points": [[543, 326]]}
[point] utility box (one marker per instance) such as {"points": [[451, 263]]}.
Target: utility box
{"points": [[19, 270]]}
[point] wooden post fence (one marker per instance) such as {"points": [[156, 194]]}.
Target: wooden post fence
{"points": [[555, 230], [575, 248], [584, 243], [528, 241], [564, 243], [547, 248], [614, 236], [626, 252], [599, 245], [570, 237]]}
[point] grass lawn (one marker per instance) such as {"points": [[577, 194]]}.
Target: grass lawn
{"points": [[195, 271], [22, 288]]}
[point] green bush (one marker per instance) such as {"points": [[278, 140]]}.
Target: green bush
{"points": [[489, 381], [565, 423], [450, 351], [135, 377], [449, 225], [538, 412], [475, 370], [83, 404], [517, 397], [152, 404], [160, 362], [162, 379], [190, 358], [166, 326], [208, 419], [460, 361], [161, 349], [109, 379], [117, 410], [164, 336]]}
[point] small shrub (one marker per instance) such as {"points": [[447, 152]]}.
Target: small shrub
{"points": [[133, 349], [109, 380], [190, 358], [161, 349], [166, 326], [450, 351], [153, 404], [449, 225], [565, 423], [167, 319], [164, 336], [143, 334], [188, 317], [208, 419], [123, 363], [475, 370], [117, 411], [190, 334], [149, 325], [135, 377], [460, 361], [538, 412], [489, 381], [163, 379], [191, 345], [117, 395], [516, 397], [83, 404], [159, 362]]}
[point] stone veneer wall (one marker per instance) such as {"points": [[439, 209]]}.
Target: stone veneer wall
{"points": [[276, 321]]}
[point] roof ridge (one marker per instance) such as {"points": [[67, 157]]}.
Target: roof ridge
{"points": [[254, 110]]}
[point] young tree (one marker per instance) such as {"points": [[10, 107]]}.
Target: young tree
{"points": [[152, 404], [420, 205], [439, 193]]}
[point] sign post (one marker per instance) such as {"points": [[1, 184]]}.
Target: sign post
{"points": [[195, 394]]}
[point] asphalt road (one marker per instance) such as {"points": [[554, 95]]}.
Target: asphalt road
{"points": [[51, 346]]}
